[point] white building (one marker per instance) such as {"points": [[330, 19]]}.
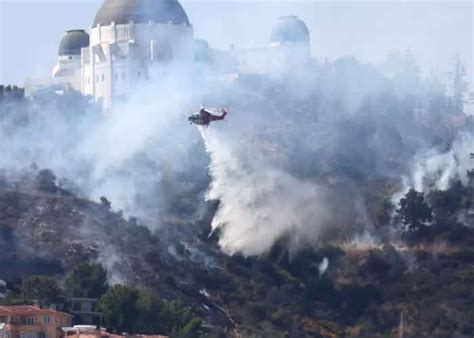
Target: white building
{"points": [[69, 66], [289, 47], [128, 36]]}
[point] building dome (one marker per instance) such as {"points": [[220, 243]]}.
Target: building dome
{"points": [[290, 29], [72, 42], [141, 11]]}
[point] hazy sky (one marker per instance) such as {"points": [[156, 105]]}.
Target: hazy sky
{"points": [[436, 32]]}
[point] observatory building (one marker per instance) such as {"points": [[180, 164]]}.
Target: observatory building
{"points": [[69, 66], [128, 37], [289, 46]]}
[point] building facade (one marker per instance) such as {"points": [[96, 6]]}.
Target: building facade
{"points": [[128, 37], [85, 311], [28, 321], [91, 331], [69, 66]]}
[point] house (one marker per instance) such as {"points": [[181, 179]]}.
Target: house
{"points": [[29, 321], [85, 311], [91, 331]]}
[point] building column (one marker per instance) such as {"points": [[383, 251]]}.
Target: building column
{"points": [[92, 61], [109, 76]]}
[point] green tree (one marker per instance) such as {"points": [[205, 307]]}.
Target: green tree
{"points": [[104, 202], [15, 299], [46, 180], [87, 280], [118, 306], [258, 310], [173, 316], [383, 211], [43, 289], [192, 329], [133, 310], [414, 211], [148, 306], [449, 201]]}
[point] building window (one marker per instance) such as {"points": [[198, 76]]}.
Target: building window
{"points": [[47, 319], [86, 306], [139, 74], [97, 78], [30, 320], [103, 77]]}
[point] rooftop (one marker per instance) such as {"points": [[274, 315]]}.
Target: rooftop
{"points": [[141, 11], [290, 29], [73, 41], [28, 310]]}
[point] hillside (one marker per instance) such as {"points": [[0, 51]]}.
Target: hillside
{"points": [[365, 290], [335, 200]]}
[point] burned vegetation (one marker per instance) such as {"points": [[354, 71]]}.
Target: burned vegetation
{"points": [[138, 232], [425, 277]]}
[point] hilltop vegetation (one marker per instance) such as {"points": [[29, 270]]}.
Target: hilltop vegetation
{"points": [[367, 286]]}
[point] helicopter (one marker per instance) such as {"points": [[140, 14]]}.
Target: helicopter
{"points": [[204, 116]]}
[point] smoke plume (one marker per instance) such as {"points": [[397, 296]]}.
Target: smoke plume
{"points": [[260, 203], [294, 160]]}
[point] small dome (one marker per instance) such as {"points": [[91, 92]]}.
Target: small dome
{"points": [[141, 11], [290, 29], [73, 41]]}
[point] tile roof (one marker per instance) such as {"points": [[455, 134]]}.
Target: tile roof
{"points": [[25, 310]]}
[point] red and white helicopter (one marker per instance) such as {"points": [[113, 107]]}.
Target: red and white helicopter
{"points": [[204, 117]]}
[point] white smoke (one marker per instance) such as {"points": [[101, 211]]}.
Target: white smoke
{"points": [[323, 266], [362, 242], [292, 163], [435, 169], [259, 203], [112, 262], [123, 155]]}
